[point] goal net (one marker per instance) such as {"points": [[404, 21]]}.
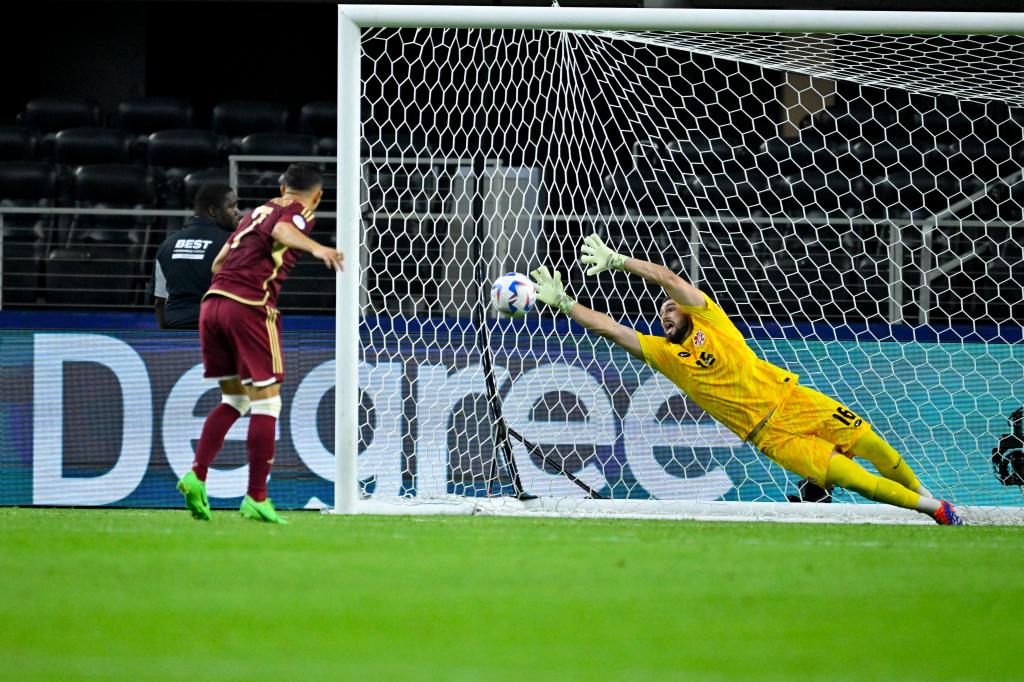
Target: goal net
{"points": [[853, 202]]}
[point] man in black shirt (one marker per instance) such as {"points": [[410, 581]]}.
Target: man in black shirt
{"points": [[182, 273]]}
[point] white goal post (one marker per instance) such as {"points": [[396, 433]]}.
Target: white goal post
{"points": [[846, 183]]}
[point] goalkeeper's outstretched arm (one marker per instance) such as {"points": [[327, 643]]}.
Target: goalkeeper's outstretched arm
{"points": [[551, 291], [600, 258]]}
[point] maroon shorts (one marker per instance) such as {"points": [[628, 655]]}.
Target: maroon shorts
{"points": [[240, 340]]}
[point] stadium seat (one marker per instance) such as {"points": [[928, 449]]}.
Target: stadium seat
{"points": [[93, 276], [25, 237], [193, 181], [319, 118], [17, 143], [112, 186], [240, 118], [785, 155], [327, 146], [148, 115], [51, 114], [707, 155], [923, 193], [950, 119], [988, 160], [117, 246], [862, 117], [188, 149], [190, 184], [173, 154], [826, 192], [26, 183], [881, 157], [144, 116], [80, 146], [279, 144]]}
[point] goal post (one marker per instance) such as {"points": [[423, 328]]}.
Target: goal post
{"points": [[845, 184]]}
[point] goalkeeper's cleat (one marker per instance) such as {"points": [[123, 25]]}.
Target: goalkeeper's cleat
{"points": [[194, 491], [946, 515], [260, 511]]}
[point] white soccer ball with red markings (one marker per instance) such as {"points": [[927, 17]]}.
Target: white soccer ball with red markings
{"points": [[513, 294]]}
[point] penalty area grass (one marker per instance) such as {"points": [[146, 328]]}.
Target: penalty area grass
{"points": [[128, 594]]}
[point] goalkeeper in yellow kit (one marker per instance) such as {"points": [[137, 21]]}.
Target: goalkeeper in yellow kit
{"points": [[705, 355]]}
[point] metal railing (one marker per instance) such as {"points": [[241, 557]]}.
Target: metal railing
{"points": [[910, 248]]}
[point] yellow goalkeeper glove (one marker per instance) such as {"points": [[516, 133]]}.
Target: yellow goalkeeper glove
{"points": [[550, 289], [599, 256]]}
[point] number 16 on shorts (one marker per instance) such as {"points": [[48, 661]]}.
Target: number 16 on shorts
{"points": [[847, 417]]}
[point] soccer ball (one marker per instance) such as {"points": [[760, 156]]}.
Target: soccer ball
{"points": [[513, 294]]}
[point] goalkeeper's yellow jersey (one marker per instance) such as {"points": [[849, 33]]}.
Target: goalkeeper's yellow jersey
{"points": [[716, 368]]}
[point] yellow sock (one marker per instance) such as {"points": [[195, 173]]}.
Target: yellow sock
{"points": [[886, 460], [849, 475]]}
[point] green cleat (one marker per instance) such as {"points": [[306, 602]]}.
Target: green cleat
{"points": [[194, 491], [260, 511]]}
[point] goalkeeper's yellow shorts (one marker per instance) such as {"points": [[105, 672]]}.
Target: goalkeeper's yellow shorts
{"points": [[805, 429]]}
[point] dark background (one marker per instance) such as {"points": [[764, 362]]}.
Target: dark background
{"points": [[214, 51]]}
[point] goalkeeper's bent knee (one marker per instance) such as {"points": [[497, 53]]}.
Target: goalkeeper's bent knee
{"points": [[849, 475], [885, 458]]}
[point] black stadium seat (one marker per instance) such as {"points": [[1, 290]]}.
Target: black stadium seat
{"points": [[80, 146], [193, 181], [785, 156], [51, 114], [32, 180], [147, 115], [173, 154], [327, 146], [706, 155], [103, 262], [17, 143], [190, 149], [190, 184], [25, 237], [279, 144], [319, 118], [240, 118], [95, 276], [112, 186]]}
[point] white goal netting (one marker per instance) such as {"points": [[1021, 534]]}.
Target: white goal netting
{"points": [[853, 202]]}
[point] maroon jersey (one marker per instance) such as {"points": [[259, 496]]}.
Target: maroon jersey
{"points": [[256, 264]]}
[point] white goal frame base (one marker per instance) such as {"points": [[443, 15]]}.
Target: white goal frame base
{"points": [[781, 512]]}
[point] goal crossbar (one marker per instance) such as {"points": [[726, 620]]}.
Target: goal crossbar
{"points": [[683, 19]]}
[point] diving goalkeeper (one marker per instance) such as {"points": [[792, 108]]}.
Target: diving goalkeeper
{"points": [[705, 355]]}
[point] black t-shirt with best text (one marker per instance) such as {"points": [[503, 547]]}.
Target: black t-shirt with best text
{"points": [[182, 272]]}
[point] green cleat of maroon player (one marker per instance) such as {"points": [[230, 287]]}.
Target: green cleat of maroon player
{"points": [[194, 491], [260, 511]]}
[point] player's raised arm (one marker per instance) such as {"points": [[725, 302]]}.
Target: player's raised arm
{"points": [[292, 237], [551, 291], [600, 258]]}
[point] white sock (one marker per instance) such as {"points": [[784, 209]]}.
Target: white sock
{"points": [[923, 492], [928, 505]]}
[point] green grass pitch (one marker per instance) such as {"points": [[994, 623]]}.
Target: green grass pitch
{"points": [[133, 595]]}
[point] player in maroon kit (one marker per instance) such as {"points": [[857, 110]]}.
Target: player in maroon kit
{"points": [[240, 334]]}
